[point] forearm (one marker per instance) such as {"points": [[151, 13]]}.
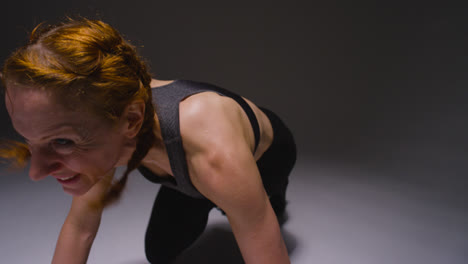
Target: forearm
{"points": [[74, 243], [262, 243]]}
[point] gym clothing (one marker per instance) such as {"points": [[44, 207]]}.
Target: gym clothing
{"points": [[178, 218], [166, 100]]}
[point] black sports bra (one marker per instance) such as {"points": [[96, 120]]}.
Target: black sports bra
{"points": [[166, 100]]}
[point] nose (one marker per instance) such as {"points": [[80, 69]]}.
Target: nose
{"points": [[43, 163]]}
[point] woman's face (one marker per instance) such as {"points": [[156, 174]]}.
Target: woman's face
{"points": [[75, 147]]}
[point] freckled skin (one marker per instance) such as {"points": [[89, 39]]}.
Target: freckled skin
{"points": [[65, 143]]}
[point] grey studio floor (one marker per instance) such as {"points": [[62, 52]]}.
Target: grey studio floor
{"points": [[338, 214]]}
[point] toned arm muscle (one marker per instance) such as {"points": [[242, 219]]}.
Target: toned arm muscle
{"points": [[223, 169]]}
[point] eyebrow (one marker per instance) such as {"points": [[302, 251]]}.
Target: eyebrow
{"points": [[62, 128], [82, 131]]}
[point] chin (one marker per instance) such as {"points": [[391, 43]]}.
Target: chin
{"points": [[74, 192]]}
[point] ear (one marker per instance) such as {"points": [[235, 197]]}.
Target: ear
{"points": [[132, 118]]}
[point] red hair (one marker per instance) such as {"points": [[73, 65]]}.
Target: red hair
{"points": [[84, 62]]}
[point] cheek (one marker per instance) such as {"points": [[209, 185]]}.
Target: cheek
{"points": [[99, 157], [94, 163]]}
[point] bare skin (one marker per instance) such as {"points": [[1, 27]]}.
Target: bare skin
{"points": [[218, 141]]}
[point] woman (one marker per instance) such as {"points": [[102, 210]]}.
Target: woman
{"points": [[86, 104]]}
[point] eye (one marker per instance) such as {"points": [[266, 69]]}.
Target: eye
{"points": [[63, 144]]}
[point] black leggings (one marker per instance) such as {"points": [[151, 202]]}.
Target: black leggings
{"points": [[177, 220]]}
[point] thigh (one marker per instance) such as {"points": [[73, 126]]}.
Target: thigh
{"points": [[176, 221]]}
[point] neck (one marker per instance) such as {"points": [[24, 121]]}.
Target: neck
{"points": [[153, 154], [126, 153]]}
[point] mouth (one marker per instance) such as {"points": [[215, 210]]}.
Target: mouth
{"points": [[68, 180]]}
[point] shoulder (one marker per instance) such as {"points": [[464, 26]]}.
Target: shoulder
{"points": [[218, 153], [214, 140], [211, 103], [210, 118]]}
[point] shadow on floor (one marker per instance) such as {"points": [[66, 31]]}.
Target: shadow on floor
{"points": [[218, 245]]}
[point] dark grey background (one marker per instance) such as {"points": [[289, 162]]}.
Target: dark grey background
{"points": [[376, 97], [383, 87]]}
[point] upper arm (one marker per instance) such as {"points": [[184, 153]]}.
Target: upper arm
{"points": [[220, 159]]}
